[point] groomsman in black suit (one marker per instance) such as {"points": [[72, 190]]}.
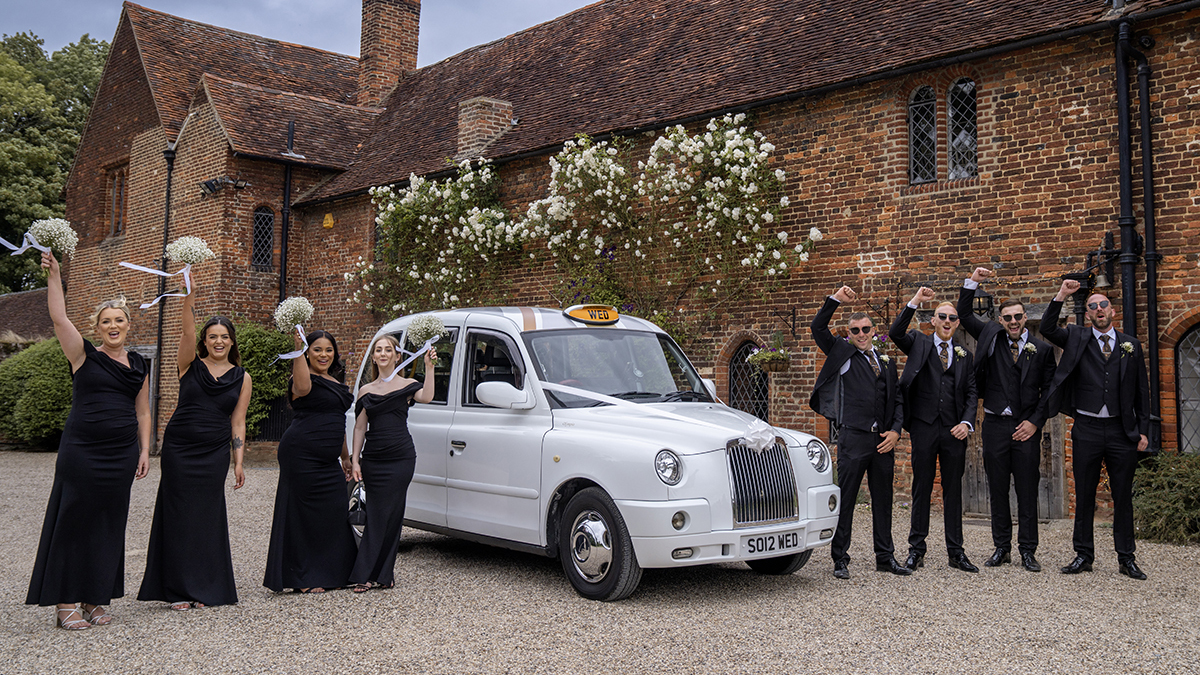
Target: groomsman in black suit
{"points": [[857, 389], [1013, 371], [939, 410], [1101, 382]]}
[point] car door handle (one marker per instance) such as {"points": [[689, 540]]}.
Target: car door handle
{"points": [[457, 445]]}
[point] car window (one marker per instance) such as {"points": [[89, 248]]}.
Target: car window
{"points": [[441, 370], [492, 358]]}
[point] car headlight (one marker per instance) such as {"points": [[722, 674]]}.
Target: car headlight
{"points": [[818, 454], [668, 466]]}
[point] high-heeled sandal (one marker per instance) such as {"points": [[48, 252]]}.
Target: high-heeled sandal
{"points": [[97, 616], [73, 624], [180, 606]]}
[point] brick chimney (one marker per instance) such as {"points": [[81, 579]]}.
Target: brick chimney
{"points": [[388, 48], [481, 120]]}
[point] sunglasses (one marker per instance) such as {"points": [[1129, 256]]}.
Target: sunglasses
{"points": [[1098, 305], [1012, 317], [855, 330], [947, 317]]}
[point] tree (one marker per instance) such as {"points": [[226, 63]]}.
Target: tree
{"points": [[44, 103]]}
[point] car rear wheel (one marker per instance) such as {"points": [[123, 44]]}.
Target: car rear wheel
{"points": [[782, 565], [594, 548]]}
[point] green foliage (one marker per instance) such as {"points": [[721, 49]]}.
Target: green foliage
{"points": [[258, 347], [1166, 499], [44, 103], [35, 393]]}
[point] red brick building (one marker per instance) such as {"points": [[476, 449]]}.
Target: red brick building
{"points": [[923, 138]]}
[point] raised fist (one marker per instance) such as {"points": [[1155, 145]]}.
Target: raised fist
{"points": [[845, 294], [980, 274], [1069, 286], [924, 294]]}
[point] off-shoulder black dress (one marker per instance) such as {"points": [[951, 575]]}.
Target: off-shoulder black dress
{"points": [[388, 460], [311, 543], [188, 558], [81, 556]]}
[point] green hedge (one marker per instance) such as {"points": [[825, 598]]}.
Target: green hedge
{"points": [[258, 347], [1166, 499], [35, 394]]}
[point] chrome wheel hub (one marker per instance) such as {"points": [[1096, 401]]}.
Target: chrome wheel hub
{"points": [[591, 546]]}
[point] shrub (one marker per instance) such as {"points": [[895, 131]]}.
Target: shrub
{"points": [[258, 347], [1166, 499], [35, 394]]}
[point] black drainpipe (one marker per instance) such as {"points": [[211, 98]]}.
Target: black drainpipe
{"points": [[169, 155], [287, 214], [1129, 243]]}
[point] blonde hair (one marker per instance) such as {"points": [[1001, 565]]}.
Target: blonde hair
{"points": [[116, 303], [371, 354]]}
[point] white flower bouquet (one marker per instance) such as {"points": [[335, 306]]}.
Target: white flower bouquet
{"points": [[189, 251], [423, 328], [55, 233], [294, 311]]}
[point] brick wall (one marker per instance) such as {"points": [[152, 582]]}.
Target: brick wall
{"points": [[388, 47]]}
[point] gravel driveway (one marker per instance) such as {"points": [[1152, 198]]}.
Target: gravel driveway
{"points": [[464, 608]]}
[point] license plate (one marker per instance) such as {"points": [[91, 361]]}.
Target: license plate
{"points": [[769, 545]]}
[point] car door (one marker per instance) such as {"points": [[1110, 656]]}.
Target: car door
{"points": [[429, 424], [494, 463]]}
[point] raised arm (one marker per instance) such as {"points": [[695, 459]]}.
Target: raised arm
{"points": [[187, 335], [238, 421], [301, 381], [966, 302], [1049, 327], [899, 331], [425, 395], [824, 338], [66, 332]]}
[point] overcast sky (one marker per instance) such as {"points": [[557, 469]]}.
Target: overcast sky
{"points": [[447, 26]]}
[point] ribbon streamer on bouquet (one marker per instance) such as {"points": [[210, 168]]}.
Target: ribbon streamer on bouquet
{"points": [[296, 354], [27, 242], [754, 438], [412, 356], [187, 281]]}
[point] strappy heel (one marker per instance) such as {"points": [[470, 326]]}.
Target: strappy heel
{"points": [[71, 624], [97, 616], [180, 606]]}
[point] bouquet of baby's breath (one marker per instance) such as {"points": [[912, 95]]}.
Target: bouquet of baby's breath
{"points": [[55, 233], [424, 327], [189, 251], [294, 311]]}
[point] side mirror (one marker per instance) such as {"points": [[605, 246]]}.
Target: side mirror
{"points": [[503, 395], [711, 387]]}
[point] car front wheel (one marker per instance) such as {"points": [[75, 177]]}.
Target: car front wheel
{"points": [[782, 565], [594, 548]]}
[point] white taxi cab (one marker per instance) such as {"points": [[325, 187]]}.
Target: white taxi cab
{"points": [[588, 436]]}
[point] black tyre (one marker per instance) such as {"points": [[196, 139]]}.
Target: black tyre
{"points": [[782, 565], [594, 548]]}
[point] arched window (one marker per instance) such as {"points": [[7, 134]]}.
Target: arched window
{"points": [[1187, 370], [748, 390], [963, 159], [263, 251], [922, 136]]}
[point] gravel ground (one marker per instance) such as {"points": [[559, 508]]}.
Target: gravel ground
{"points": [[464, 608]]}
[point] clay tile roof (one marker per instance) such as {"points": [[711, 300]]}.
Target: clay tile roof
{"points": [[176, 52], [624, 64], [255, 120], [26, 314]]}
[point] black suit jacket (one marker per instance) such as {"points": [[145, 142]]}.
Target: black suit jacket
{"points": [[837, 351], [1133, 391], [921, 354], [1036, 368]]}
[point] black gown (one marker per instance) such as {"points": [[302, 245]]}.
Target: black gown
{"points": [[81, 555], [388, 460], [311, 543], [188, 558]]}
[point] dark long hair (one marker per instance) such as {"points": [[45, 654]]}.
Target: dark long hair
{"points": [[234, 356], [337, 369]]}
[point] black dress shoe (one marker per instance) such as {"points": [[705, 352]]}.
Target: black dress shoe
{"points": [[1001, 556], [1131, 570], [841, 570], [914, 561], [1079, 564], [960, 561], [890, 565], [1029, 562]]}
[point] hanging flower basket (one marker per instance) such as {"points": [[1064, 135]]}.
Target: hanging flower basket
{"points": [[775, 365], [770, 358]]}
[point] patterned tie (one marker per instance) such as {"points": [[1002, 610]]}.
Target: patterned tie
{"points": [[1104, 348], [1014, 347], [945, 356], [873, 362]]}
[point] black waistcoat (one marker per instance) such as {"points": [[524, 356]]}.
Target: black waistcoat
{"points": [[1003, 379], [1097, 380], [860, 410]]}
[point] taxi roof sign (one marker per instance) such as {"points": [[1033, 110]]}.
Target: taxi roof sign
{"points": [[597, 315]]}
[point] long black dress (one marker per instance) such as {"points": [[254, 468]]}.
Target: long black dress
{"points": [[81, 556], [311, 544], [388, 461], [188, 558]]}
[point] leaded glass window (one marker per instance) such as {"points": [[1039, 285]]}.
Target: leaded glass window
{"points": [[1187, 369], [922, 136], [963, 157], [748, 386], [263, 250]]}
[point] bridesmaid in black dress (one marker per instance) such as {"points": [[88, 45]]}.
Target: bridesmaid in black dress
{"points": [[188, 561], [312, 548], [387, 462], [105, 445]]}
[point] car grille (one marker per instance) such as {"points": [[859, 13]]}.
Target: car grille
{"points": [[763, 485]]}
